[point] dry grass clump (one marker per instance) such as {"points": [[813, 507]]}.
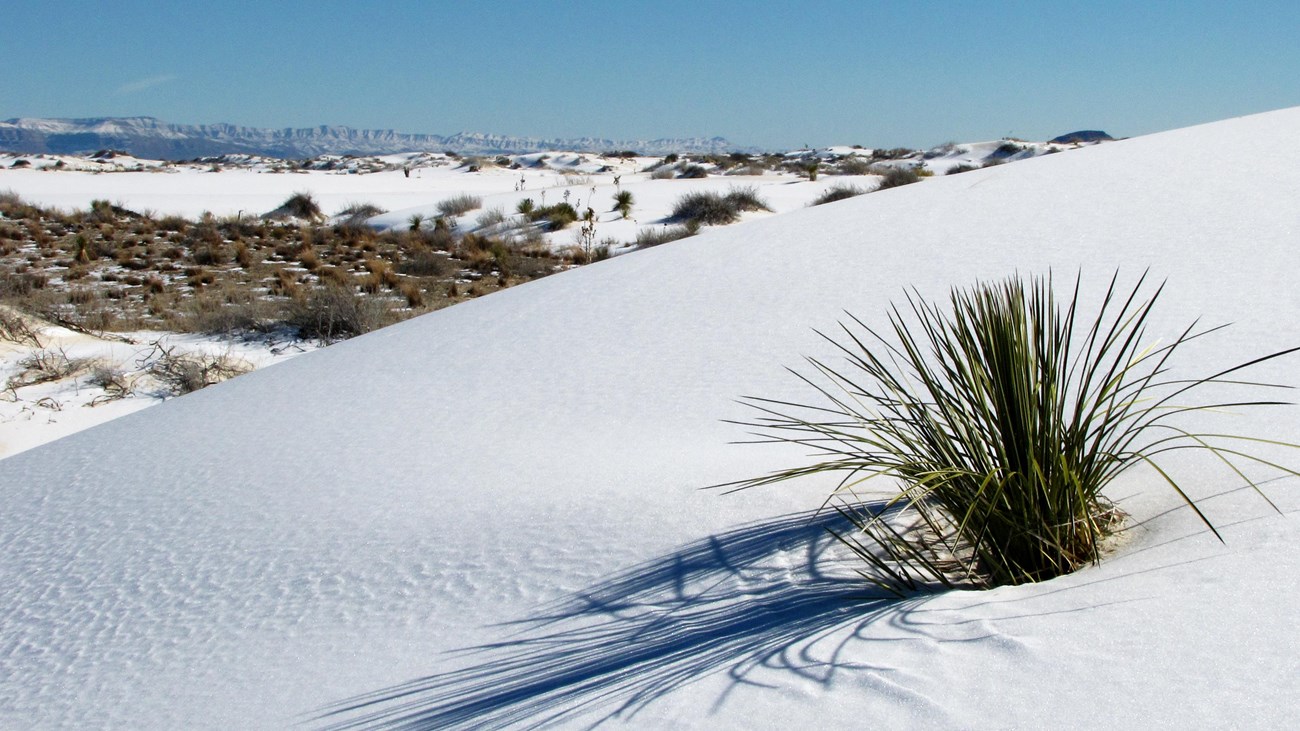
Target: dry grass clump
{"points": [[334, 311], [838, 192], [459, 205], [895, 177], [648, 237], [705, 208]]}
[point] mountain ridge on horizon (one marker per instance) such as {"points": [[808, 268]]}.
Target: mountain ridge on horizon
{"points": [[150, 137]]}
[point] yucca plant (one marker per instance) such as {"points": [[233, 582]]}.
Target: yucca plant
{"points": [[1002, 420]]}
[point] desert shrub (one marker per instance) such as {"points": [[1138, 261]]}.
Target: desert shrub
{"points": [[459, 205], [525, 206], [692, 171], [13, 206], [1003, 421], [300, 205], [112, 380], [333, 311], [961, 168], [745, 198], [556, 216], [623, 203], [44, 366], [15, 328], [1005, 150], [706, 208], [663, 173], [188, 372], [838, 193], [230, 309], [853, 165], [894, 153], [647, 237], [491, 218], [423, 262], [173, 224], [895, 177], [22, 284], [355, 215]]}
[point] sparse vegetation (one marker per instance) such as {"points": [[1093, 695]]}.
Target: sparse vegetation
{"points": [[302, 206], [838, 192], [1003, 420], [647, 237], [898, 176], [459, 205], [705, 208], [108, 268], [623, 203], [184, 373]]}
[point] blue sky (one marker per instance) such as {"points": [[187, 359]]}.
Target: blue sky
{"points": [[771, 74]]}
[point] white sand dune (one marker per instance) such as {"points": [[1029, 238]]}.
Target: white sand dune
{"points": [[521, 473]]}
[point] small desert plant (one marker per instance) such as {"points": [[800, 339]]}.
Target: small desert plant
{"points": [[44, 366], [895, 177], [706, 208], [961, 168], [1003, 419], [459, 205], [692, 171], [299, 205], [647, 237], [490, 218], [15, 328], [623, 203], [355, 215], [525, 206], [838, 193], [188, 372], [114, 382], [334, 311], [557, 216]]}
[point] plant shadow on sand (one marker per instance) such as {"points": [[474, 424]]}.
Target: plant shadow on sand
{"points": [[778, 595]]}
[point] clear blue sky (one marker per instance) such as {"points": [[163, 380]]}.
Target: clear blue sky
{"points": [[771, 74]]}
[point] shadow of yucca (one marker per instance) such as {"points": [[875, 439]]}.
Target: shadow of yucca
{"points": [[755, 597]]}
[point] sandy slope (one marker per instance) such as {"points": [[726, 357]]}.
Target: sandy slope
{"points": [[257, 552]]}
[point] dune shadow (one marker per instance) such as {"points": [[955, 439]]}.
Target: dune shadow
{"points": [[772, 595]]}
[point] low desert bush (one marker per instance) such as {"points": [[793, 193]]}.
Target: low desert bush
{"points": [[459, 205], [706, 208], [299, 205], [556, 216], [647, 237], [1002, 418], [334, 311], [896, 177], [15, 328], [838, 192], [490, 218], [961, 168], [188, 372], [44, 366]]}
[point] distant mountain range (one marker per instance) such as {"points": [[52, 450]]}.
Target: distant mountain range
{"points": [[147, 137]]}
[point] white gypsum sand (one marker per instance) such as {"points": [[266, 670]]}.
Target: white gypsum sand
{"points": [[521, 473]]}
